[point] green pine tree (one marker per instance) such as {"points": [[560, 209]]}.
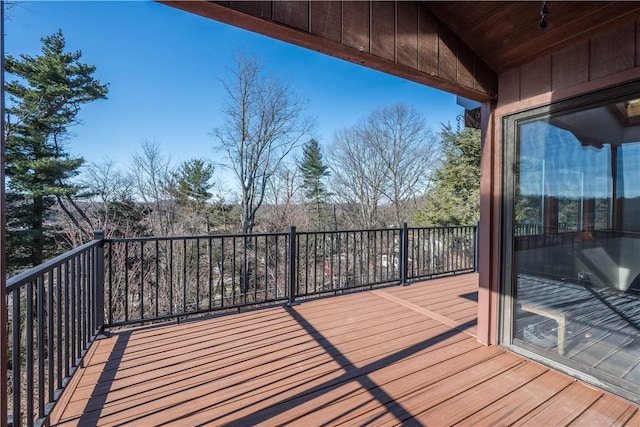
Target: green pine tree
{"points": [[455, 197], [43, 101], [193, 181], [192, 189], [313, 171]]}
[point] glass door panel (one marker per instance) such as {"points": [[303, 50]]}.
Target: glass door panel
{"points": [[575, 227]]}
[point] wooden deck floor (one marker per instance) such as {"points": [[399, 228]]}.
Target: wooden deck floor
{"points": [[384, 357]]}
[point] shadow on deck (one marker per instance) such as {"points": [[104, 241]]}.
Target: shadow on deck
{"points": [[388, 356]]}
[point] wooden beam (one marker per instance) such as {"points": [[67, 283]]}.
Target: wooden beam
{"points": [[489, 228], [399, 38]]}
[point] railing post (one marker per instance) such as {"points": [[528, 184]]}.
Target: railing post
{"points": [[99, 282], [292, 282], [476, 232], [404, 254]]}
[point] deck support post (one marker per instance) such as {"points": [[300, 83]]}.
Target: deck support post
{"points": [[98, 315], [476, 232], [291, 277], [404, 254]]}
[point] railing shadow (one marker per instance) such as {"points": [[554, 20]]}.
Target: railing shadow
{"points": [[471, 296], [93, 409], [351, 373]]}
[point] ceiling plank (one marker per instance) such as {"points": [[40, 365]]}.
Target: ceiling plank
{"points": [[506, 34]]}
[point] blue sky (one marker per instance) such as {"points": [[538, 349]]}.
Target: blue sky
{"points": [[164, 68]]}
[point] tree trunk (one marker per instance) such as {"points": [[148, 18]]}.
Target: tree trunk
{"points": [[37, 248]]}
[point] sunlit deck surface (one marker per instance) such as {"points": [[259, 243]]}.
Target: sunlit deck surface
{"points": [[381, 357]]}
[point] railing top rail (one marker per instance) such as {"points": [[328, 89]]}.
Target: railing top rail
{"points": [[239, 235], [227, 236], [197, 237], [357, 230], [34, 272], [440, 227]]}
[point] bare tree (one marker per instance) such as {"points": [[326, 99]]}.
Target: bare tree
{"points": [[359, 177], [383, 163], [408, 148], [110, 194], [153, 183], [282, 199], [263, 122]]}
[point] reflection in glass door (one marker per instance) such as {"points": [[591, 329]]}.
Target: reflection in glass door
{"points": [[575, 227]]}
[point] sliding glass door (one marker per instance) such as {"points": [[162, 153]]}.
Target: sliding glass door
{"points": [[572, 245]]}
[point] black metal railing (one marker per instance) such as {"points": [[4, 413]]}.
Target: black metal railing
{"points": [[151, 279], [148, 279], [54, 312], [57, 309]]}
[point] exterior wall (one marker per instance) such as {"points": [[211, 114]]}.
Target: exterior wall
{"points": [[604, 60]]}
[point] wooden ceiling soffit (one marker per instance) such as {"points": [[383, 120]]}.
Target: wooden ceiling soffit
{"points": [[402, 38]]}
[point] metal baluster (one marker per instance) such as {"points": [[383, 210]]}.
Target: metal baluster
{"points": [[16, 351], [254, 270], [78, 282], [210, 255], [59, 318], [29, 354], [142, 279], [51, 347], [265, 239], [68, 314], [40, 343], [157, 277], [197, 274], [126, 281], [315, 262], [222, 259], [110, 270], [184, 276], [172, 308], [292, 282], [233, 271], [72, 309]]}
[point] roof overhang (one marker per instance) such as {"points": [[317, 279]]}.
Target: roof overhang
{"points": [[456, 46]]}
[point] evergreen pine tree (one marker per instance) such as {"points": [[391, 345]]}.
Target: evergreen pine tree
{"points": [[43, 102], [313, 170], [193, 182], [455, 196]]}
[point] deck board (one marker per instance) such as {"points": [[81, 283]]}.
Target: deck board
{"points": [[404, 354]]}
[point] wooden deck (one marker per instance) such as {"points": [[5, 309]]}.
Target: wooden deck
{"points": [[383, 357]]}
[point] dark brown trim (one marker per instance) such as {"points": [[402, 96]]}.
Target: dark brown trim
{"points": [[488, 253]]}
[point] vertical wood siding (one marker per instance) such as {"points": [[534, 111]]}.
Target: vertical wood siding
{"points": [[604, 60]]}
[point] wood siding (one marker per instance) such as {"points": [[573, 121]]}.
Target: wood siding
{"points": [[604, 60], [400, 38]]}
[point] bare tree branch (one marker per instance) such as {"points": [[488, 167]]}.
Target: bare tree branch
{"points": [[263, 123]]}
